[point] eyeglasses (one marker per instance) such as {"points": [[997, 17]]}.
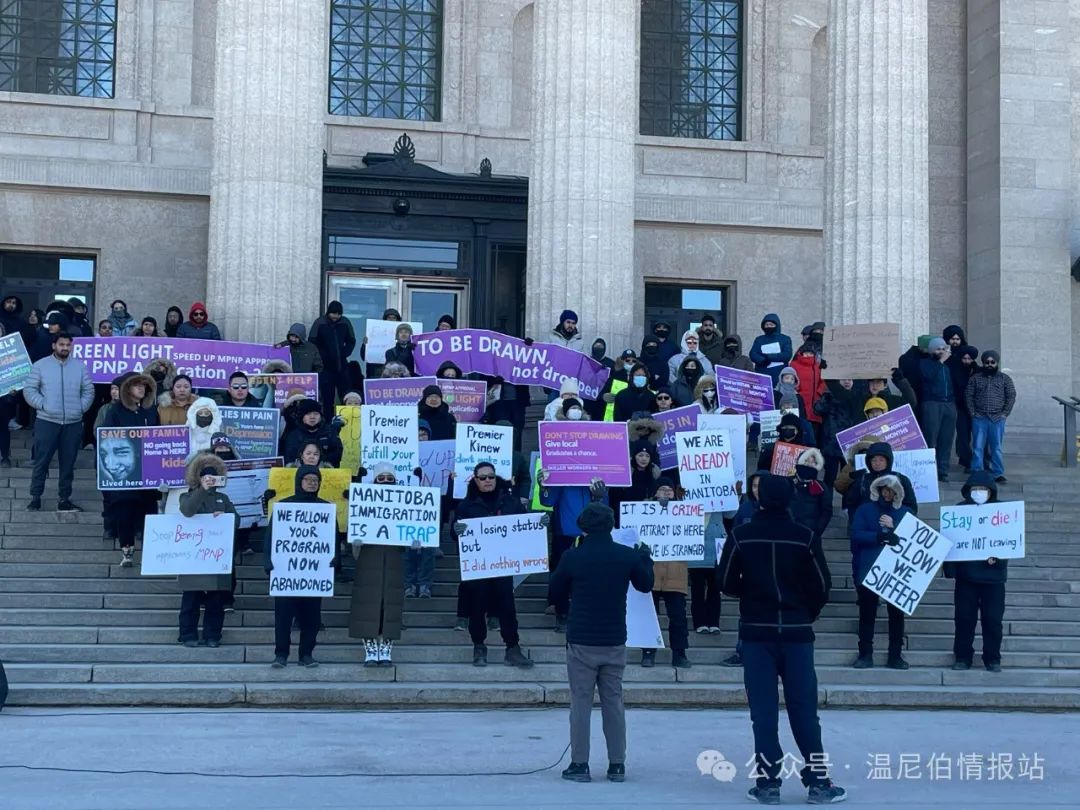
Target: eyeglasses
{"points": [[484, 477], [691, 340], [990, 363], [239, 387]]}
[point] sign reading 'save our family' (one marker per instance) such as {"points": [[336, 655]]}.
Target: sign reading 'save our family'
{"points": [[141, 457]]}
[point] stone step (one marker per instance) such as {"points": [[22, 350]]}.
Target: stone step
{"points": [[139, 585]]}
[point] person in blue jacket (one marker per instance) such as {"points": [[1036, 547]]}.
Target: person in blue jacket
{"points": [[771, 362], [873, 528]]}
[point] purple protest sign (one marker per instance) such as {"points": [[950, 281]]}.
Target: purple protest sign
{"points": [[208, 362], [141, 457], [482, 352], [674, 421], [743, 391], [286, 385], [899, 428], [396, 390], [574, 453], [467, 399]]}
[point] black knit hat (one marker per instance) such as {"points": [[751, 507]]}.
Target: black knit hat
{"points": [[306, 406], [662, 481], [596, 519], [432, 389]]}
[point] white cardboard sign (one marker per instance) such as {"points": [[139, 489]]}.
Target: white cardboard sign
{"points": [[511, 545], [901, 574], [980, 532]]}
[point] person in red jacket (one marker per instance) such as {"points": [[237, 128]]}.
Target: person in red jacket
{"points": [[810, 383]]}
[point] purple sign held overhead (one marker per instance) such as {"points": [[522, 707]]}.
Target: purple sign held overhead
{"points": [[678, 420], [209, 363], [482, 352], [467, 399], [396, 390], [899, 428], [743, 391], [574, 453]]}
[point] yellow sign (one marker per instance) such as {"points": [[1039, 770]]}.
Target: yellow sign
{"points": [[350, 437], [334, 489]]}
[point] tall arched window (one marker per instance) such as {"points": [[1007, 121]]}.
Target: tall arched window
{"points": [[691, 68], [386, 58]]}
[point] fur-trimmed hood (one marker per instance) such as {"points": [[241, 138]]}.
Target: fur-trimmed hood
{"points": [[197, 463], [649, 429], [200, 437], [707, 380], [860, 447], [276, 367], [149, 396], [812, 457], [890, 482], [166, 366]]}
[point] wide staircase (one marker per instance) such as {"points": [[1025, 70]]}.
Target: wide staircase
{"points": [[77, 629]]}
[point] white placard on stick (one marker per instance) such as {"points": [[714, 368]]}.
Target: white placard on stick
{"points": [[642, 623], [512, 545], [381, 335], [861, 351], [736, 425], [476, 443], [174, 545], [302, 548], [390, 434], [980, 532], [707, 469], [389, 515], [437, 463], [901, 574], [674, 531], [920, 466]]}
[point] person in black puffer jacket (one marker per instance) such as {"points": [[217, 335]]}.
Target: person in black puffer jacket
{"points": [[442, 424], [811, 502], [636, 397], [839, 408], [312, 427], [980, 590]]}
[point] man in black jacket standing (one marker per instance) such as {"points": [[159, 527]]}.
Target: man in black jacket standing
{"points": [[333, 336], [777, 571], [595, 576]]}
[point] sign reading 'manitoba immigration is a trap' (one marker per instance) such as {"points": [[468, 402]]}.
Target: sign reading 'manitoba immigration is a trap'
{"points": [[389, 515]]}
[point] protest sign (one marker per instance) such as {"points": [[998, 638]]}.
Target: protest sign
{"points": [[287, 385], [899, 428], [390, 435], [350, 436], [333, 489], [707, 469], [494, 355], [574, 453], [514, 545], [918, 465], [863, 351], [381, 336], [476, 443], [302, 547], [642, 623], [743, 391], [467, 399], [901, 574], [437, 463], [245, 483], [14, 363], [252, 432], [209, 363], [674, 531], [389, 515], [674, 421], [396, 390], [770, 428], [980, 532], [174, 545], [785, 454], [735, 424], [141, 457]]}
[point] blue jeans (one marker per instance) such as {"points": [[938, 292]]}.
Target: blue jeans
{"points": [[985, 431], [419, 567]]}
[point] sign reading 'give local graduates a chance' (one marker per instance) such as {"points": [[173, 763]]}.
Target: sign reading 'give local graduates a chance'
{"points": [[707, 469], [901, 574], [493, 444], [390, 434], [980, 532], [302, 547], [389, 515], [512, 545], [674, 531]]}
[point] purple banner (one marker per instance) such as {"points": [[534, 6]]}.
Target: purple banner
{"points": [[482, 352], [574, 453], [467, 398], [744, 391], [396, 390], [208, 362], [141, 457], [899, 428], [675, 421], [285, 385]]}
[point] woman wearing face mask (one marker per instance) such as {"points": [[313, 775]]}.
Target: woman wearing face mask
{"points": [[122, 323], [203, 421], [811, 502], [636, 397], [174, 404], [690, 373], [599, 353], [980, 590], [705, 395]]}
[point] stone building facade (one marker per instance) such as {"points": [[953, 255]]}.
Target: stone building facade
{"points": [[909, 160]]}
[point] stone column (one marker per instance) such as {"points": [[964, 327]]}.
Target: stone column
{"points": [[266, 185], [876, 165], [581, 185]]}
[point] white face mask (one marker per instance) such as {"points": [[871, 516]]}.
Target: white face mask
{"points": [[709, 395], [980, 496], [574, 413]]}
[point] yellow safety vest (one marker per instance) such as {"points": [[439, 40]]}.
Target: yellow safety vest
{"points": [[609, 411]]}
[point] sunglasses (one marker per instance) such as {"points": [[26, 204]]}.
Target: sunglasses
{"points": [[484, 477], [384, 479], [664, 398], [691, 340], [990, 363], [239, 387]]}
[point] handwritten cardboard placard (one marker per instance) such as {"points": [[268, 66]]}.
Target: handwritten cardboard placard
{"points": [[390, 434], [707, 469], [437, 463], [174, 545], [514, 545], [302, 548], [674, 531], [736, 425], [390, 515], [902, 573], [350, 436], [476, 443], [920, 466], [980, 532], [784, 457], [863, 351], [333, 489]]}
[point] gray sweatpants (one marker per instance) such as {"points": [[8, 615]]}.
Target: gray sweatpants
{"points": [[589, 668]]}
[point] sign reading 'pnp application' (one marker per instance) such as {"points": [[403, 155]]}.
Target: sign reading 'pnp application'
{"points": [[174, 545], [388, 515], [514, 545], [901, 574], [493, 444], [707, 469], [302, 549], [674, 531], [981, 532], [141, 457]]}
